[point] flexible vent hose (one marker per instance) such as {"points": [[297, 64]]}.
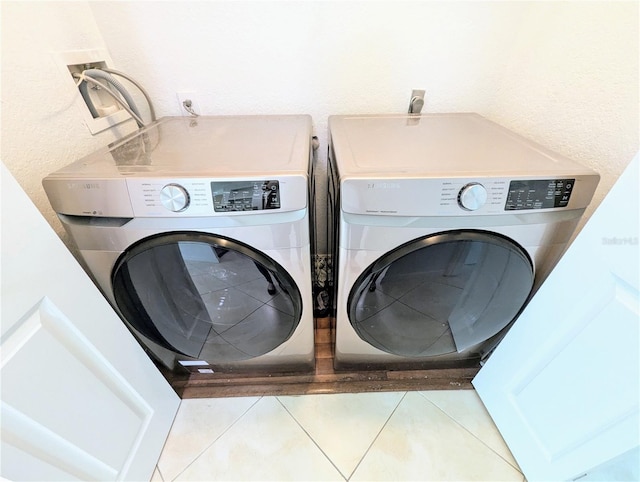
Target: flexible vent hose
{"points": [[100, 74], [152, 111], [84, 91]]}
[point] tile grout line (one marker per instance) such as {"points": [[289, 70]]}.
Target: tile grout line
{"points": [[311, 438], [377, 436], [164, 445], [213, 442], [474, 435]]}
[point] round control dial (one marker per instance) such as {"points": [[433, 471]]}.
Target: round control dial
{"points": [[472, 196], [174, 197]]}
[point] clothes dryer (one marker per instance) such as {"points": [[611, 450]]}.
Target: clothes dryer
{"points": [[197, 231], [444, 225]]}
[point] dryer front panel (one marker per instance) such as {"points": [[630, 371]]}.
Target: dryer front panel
{"points": [[206, 297], [440, 295]]}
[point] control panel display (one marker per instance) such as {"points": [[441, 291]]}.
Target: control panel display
{"points": [[245, 195], [539, 194]]}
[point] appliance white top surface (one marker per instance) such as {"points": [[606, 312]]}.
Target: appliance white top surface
{"points": [[438, 145], [211, 146]]}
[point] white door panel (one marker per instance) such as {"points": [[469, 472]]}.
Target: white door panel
{"points": [[80, 398], [563, 386]]}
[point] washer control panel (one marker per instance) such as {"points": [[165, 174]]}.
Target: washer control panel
{"points": [[174, 197], [156, 197], [231, 196], [210, 197]]}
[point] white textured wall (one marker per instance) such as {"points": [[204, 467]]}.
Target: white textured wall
{"points": [[562, 73], [569, 80], [41, 128]]}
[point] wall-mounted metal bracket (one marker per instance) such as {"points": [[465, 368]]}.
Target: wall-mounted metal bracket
{"points": [[417, 101]]}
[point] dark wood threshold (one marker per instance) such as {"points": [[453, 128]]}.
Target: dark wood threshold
{"points": [[323, 379]]}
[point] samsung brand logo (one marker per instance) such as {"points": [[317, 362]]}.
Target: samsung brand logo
{"points": [[83, 185], [383, 185]]}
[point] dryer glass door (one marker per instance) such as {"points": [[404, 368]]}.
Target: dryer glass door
{"points": [[206, 297], [441, 294]]}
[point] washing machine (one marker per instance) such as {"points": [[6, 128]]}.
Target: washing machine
{"points": [[443, 227], [197, 232]]}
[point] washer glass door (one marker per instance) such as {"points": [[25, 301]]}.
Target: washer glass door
{"points": [[207, 297], [441, 294]]}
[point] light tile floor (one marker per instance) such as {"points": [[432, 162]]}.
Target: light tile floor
{"points": [[430, 435]]}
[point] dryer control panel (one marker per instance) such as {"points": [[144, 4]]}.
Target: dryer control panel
{"points": [[464, 196], [539, 194]]}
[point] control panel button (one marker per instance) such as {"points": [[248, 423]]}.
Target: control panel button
{"points": [[472, 196], [539, 194], [174, 197], [257, 195]]}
